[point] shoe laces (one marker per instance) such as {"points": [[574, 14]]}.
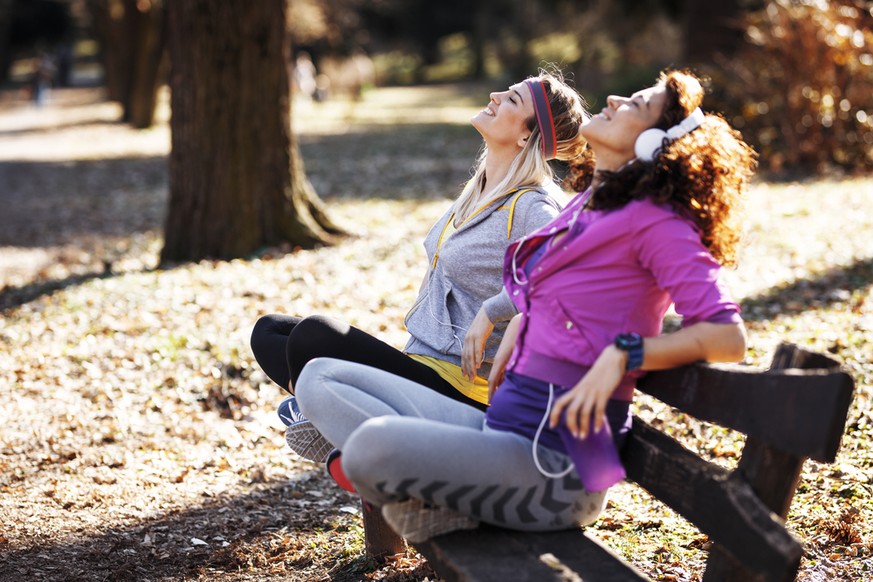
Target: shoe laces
{"points": [[289, 412]]}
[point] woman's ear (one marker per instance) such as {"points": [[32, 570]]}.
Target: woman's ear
{"points": [[523, 140]]}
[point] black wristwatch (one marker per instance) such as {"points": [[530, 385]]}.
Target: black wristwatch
{"points": [[632, 343]]}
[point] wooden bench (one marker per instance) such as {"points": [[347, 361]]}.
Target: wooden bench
{"points": [[795, 410]]}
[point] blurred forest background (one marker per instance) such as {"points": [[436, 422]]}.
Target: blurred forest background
{"points": [[796, 76], [163, 164]]}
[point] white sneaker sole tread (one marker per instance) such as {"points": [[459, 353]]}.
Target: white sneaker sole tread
{"points": [[305, 440], [415, 522]]}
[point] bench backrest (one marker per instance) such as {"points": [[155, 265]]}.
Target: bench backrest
{"points": [[794, 410]]}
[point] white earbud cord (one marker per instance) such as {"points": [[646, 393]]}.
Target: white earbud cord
{"points": [[450, 325], [536, 459], [515, 278]]}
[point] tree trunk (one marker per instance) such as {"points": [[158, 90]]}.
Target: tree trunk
{"points": [[525, 20], [5, 52], [237, 182], [479, 37], [108, 16], [131, 34], [146, 26], [714, 28]]}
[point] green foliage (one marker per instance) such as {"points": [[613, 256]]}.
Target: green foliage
{"points": [[801, 88]]}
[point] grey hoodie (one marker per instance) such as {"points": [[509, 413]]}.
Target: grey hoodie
{"points": [[467, 271]]}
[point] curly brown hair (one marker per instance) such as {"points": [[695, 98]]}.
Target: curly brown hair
{"points": [[702, 175]]}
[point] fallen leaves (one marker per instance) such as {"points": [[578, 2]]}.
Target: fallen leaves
{"points": [[843, 530]]}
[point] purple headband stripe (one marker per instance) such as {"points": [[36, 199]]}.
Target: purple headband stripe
{"points": [[544, 117]]}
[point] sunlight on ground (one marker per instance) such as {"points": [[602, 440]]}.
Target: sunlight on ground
{"points": [[44, 134], [76, 124], [789, 252], [430, 104]]}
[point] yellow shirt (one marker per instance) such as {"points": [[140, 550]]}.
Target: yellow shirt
{"points": [[476, 390]]}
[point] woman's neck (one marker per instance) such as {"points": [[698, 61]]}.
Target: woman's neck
{"points": [[608, 161], [496, 169]]}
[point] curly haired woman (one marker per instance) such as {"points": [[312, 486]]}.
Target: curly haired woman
{"points": [[592, 288]]}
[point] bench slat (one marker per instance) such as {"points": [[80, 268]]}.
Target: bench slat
{"points": [[721, 505], [772, 473], [749, 401], [585, 555], [492, 554], [789, 355], [483, 555]]}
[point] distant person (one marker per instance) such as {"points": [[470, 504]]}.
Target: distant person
{"points": [[322, 88], [64, 58], [362, 73], [41, 79], [304, 76], [457, 321], [592, 288]]}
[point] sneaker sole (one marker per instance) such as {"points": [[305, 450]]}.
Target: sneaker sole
{"points": [[415, 524], [305, 440]]}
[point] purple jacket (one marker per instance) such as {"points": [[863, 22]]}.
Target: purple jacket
{"points": [[614, 272]]}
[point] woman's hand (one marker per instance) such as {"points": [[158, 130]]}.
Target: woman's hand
{"points": [[591, 394], [474, 344], [501, 359], [708, 342]]}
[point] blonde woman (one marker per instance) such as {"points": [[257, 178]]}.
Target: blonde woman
{"points": [[458, 319]]}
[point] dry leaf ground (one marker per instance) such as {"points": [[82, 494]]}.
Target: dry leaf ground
{"points": [[139, 439]]}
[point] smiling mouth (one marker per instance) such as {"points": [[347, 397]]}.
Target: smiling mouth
{"points": [[487, 111]]}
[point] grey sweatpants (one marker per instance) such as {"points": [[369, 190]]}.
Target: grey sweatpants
{"points": [[402, 440]]}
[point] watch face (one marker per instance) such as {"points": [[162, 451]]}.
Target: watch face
{"points": [[632, 343], [627, 341]]}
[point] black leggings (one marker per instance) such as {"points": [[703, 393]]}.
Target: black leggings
{"points": [[283, 344]]}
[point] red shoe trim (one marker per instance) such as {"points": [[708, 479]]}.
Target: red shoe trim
{"points": [[335, 470]]}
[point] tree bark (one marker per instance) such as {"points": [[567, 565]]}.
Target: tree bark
{"points": [[237, 182], [147, 30], [479, 37], [522, 63], [5, 52], [713, 28], [131, 34], [107, 16]]}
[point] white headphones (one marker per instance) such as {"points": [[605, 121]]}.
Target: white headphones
{"points": [[650, 142]]}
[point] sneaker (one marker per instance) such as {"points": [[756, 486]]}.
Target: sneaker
{"points": [[302, 437], [334, 468], [289, 412], [416, 522]]}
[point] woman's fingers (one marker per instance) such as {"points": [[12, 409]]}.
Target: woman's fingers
{"points": [[471, 356], [467, 357], [474, 344], [599, 414], [557, 409], [577, 407]]}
